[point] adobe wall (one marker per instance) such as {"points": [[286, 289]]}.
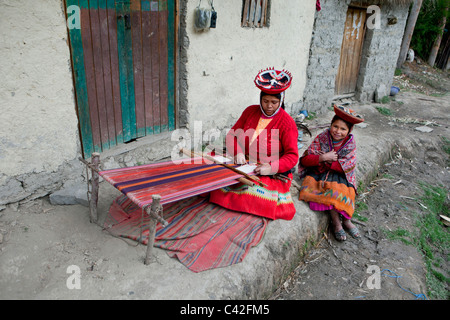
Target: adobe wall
{"points": [[39, 133], [40, 143]]}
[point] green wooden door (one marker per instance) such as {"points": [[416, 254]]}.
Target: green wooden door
{"points": [[123, 65]]}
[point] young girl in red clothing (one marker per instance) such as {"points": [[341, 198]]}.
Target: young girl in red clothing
{"points": [[328, 167], [267, 135]]}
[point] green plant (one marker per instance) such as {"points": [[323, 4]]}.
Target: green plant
{"points": [[384, 111], [446, 146], [427, 26], [385, 100], [360, 207], [431, 238], [387, 176], [400, 234], [311, 115]]}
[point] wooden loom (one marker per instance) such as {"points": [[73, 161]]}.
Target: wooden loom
{"points": [[151, 186]]}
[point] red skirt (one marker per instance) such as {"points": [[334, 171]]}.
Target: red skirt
{"points": [[273, 201]]}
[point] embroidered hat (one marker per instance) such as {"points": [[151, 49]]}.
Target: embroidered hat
{"points": [[273, 81], [347, 114]]}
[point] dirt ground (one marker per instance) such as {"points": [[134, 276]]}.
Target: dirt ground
{"points": [[346, 270], [329, 270]]}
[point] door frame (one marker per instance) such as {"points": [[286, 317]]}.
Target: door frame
{"points": [[346, 78], [81, 87]]}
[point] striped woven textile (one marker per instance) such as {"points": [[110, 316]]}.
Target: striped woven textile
{"points": [[171, 181], [200, 234]]}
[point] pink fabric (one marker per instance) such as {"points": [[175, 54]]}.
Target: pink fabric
{"points": [[323, 207]]}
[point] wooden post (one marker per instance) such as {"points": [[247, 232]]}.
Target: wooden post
{"points": [[94, 183], [437, 42], [411, 23], [154, 210]]}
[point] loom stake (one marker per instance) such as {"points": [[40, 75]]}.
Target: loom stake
{"points": [[94, 184], [154, 212]]}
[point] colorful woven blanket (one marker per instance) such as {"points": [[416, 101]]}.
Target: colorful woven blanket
{"points": [[200, 234], [171, 181]]}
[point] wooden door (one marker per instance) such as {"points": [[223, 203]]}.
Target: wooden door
{"points": [[351, 51], [123, 63]]}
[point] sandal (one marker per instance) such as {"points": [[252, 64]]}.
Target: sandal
{"points": [[354, 232], [340, 235]]}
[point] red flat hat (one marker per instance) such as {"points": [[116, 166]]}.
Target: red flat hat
{"points": [[347, 114], [273, 81]]}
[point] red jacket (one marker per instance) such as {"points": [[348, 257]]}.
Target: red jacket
{"points": [[276, 144]]}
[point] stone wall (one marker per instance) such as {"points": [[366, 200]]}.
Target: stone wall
{"points": [[380, 51], [324, 55]]}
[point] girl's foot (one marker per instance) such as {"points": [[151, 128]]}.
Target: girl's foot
{"points": [[351, 228], [339, 232], [340, 235]]}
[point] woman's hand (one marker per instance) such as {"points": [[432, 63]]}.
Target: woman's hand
{"points": [[328, 157], [240, 158], [263, 169]]}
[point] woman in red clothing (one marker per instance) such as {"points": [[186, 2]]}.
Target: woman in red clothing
{"points": [[328, 167], [264, 134]]}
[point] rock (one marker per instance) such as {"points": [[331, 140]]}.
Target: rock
{"points": [[424, 129], [380, 92], [71, 193]]}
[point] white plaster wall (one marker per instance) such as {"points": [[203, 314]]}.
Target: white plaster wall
{"points": [[223, 62], [38, 122]]}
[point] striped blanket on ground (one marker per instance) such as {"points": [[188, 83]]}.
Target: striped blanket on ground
{"points": [[200, 234]]}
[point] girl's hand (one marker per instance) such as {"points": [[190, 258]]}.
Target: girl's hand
{"points": [[263, 169], [328, 157], [240, 158]]}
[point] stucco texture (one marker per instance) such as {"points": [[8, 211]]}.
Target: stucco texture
{"points": [[38, 117], [222, 62]]}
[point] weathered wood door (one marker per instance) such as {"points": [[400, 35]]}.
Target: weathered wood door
{"points": [[351, 51], [123, 64]]}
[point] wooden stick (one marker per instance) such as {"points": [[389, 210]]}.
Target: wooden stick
{"points": [[94, 192], [155, 215], [90, 166], [155, 208], [248, 179]]}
